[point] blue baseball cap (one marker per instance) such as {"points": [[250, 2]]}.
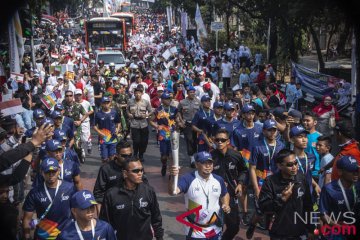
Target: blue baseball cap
{"points": [[48, 121], [348, 163], [218, 105], [248, 108], [105, 99], [52, 145], [49, 164], [297, 130], [229, 106], [59, 106], [56, 114], [165, 95], [205, 98], [203, 156], [38, 113], [268, 124], [82, 199], [59, 135], [191, 88], [169, 90]]}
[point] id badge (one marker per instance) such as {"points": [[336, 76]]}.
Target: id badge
{"points": [[203, 215]]}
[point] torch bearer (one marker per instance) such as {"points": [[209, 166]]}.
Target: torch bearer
{"points": [[174, 138]]}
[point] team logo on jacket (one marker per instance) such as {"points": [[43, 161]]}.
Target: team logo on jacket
{"points": [[142, 204], [231, 166], [64, 197], [112, 177], [300, 193], [215, 189], [67, 172], [120, 206], [43, 199]]}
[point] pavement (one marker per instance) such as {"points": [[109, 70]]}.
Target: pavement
{"points": [[170, 206]]}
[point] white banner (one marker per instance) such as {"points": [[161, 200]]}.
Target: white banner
{"points": [[13, 48], [184, 24], [201, 30]]}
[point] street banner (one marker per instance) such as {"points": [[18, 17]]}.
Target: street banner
{"points": [[11, 107], [166, 54], [173, 50], [13, 48], [184, 24], [17, 77], [201, 30], [314, 83]]}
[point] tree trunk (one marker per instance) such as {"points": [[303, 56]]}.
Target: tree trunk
{"points": [[273, 43], [331, 34], [228, 28], [343, 38], [318, 50]]}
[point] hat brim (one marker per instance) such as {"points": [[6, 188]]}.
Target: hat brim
{"points": [[88, 204], [52, 168]]}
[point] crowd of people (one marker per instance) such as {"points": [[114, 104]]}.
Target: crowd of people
{"points": [[248, 141]]}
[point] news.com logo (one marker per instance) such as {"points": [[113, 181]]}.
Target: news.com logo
{"points": [[344, 228]]}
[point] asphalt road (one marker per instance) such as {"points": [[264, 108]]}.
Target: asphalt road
{"points": [[170, 206]]}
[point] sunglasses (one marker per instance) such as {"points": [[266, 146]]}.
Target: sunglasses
{"points": [[68, 95], [221, 140], [137, 170], [125, 155], [291, 164]]}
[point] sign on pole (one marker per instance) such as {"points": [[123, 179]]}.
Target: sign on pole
{"points": [[217, 26]]}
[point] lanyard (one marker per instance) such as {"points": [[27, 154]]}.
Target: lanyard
{"points": [[268, 150], [79, 232], [61, 176], [344, 195], [206, 113], [206, 195], [47, 191], [306, 164]]}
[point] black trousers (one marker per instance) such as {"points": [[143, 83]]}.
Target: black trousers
{"points": [[226, 84], [140, 138], [190, 137], [232, 221]]}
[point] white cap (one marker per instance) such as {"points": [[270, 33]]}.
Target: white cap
{"points": [[123, 81], [78, 91], [115, 78], [160, 88]]}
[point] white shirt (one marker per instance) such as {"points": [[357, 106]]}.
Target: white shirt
{"points": [[86, 105], [90, 94], [226, 69]]}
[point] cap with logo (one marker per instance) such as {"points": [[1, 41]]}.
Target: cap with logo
{"points": [[59, 135], [229, 106], [56, 114], [53, 145], [248, 108], [348, 163], [48, 121], [49, 164], [82, 199], [279, 112], [218, 105], [165, 95], [38, 113], [297, 130], [269, 124], [205, 98], [203, 156], [59, 107], [105, 99]]}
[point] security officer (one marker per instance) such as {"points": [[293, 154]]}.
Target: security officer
{"points": [[187, 109], [229, 165], [138, 111]]}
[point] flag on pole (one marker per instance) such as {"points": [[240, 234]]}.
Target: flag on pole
{"points": [[19, 36], [201, 30], [13, 48]]}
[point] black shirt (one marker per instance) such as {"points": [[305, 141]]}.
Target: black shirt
{"points": [[97, 90]]}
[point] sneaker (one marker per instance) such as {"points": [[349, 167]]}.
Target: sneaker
{"points": [[245, 219], [89, 151], [163, 170], [250, 231]]}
